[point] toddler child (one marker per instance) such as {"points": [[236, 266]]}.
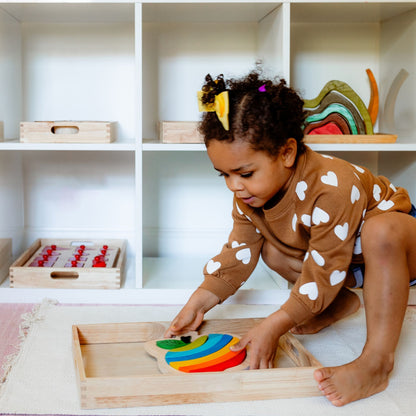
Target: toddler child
{"points": [[317, 220]]}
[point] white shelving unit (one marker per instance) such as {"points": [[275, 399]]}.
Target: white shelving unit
{"points": [[139, 63]]}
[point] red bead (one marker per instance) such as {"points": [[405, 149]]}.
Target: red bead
{"points": [[49, 251], [82, 247], [53, 247], [105, 247], [40, 263], [45, 256]]}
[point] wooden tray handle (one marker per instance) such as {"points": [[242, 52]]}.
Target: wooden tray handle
{"points": [[64, 275]]}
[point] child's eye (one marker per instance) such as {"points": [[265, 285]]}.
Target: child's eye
{"points": [[246, 175], [222, 174]]}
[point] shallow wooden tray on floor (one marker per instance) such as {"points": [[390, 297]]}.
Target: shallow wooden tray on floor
{"points": [[113, 370]]}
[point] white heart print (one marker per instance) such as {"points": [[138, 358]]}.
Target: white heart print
{"points": [[319, 260], [341, 231], [319, 215], [310, 289], [337, 277], [376, 192], [244, 255], [330, 179], [301, 187], [294, 222], [361, 170], [235, 244], [306, 219], [385, 205], [355, 194], [213, 266]]}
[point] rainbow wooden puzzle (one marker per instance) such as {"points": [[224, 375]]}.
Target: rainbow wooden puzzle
{"points": [[204, 354]]}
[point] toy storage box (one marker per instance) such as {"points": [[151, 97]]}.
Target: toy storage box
{"points": [[67, 131], [22, 275]]}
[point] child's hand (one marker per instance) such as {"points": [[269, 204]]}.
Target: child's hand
{"points": [[192, 314], [263, 340]]}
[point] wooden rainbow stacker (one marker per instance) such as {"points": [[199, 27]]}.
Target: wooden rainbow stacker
{"points": [[114, 369]]}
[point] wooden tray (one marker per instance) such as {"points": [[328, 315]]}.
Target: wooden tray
{"points": [[113, 369], [350, 138], [180, 132], [23, 275], [67, 131]]}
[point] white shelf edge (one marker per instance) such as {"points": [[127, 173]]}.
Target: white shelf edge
{"points": [[134, 296], [168, 147], [124, 146], [332, 147], [147, 296]]}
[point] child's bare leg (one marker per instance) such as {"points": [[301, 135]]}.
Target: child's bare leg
{"points": [[290, 268], [389, 248]]}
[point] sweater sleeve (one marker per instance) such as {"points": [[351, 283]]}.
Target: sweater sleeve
{"points": [[226, 272], [333, 231]]}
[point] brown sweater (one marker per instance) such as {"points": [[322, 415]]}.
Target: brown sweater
{"points": [[318, 219]]}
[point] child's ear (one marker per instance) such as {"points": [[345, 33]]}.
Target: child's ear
{"points": [[289, 152]]}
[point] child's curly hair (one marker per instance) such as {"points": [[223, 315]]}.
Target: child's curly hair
{"points": [[266, 118]]}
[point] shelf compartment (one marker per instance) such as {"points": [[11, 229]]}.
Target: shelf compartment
{"points": [[183, 42], [69, 62]]}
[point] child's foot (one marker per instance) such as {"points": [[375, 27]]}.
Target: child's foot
{"points": [[356, 380], [346, 303]]}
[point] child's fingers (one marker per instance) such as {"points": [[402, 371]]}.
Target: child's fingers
{"points": [[240, 344], [182, 323]]}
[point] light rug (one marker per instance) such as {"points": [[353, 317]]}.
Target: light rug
{"points": [[42, 379]]}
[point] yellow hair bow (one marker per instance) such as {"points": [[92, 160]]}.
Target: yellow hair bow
{"points": [[221, 107]]}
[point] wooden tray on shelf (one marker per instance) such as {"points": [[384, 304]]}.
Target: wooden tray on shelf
{"points": [[350, 138], [179, 132], [24, 272], [187, 132], [67, 131], [113, 369]]}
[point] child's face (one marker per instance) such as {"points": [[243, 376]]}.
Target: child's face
{"points": [[253, 176]]}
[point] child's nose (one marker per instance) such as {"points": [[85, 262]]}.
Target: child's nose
{"points": [[234, 184]]}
